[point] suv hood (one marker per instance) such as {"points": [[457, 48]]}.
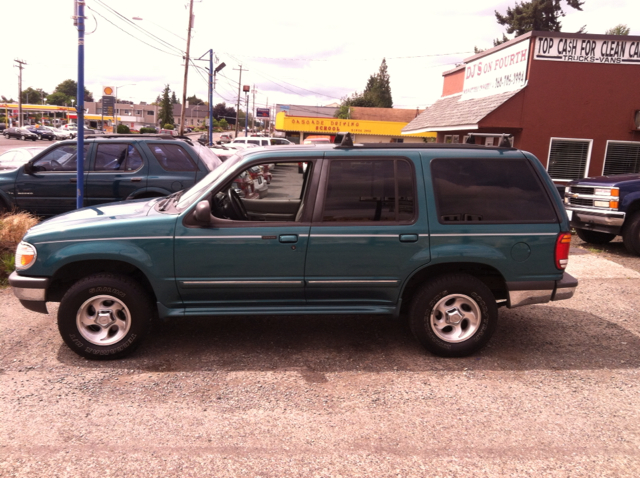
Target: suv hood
{"points": [[104, 213]]}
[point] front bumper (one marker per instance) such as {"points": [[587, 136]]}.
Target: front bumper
{"points": [[31, 291], [528, 293], [602, 221]]}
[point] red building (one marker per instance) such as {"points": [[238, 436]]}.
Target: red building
{"points": [[571, 99]]}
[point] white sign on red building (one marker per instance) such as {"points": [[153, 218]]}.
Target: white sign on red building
{"points": [[585, 50], [502, 71]]}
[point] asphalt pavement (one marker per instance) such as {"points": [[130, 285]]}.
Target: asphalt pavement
{"points": [[555, 394]]}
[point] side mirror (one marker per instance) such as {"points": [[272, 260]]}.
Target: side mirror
{"points": [[28, 168], [202, 213]]}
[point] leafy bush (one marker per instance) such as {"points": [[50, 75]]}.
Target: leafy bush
{"points": [[168, 126], [145, 130], [123, 129]]}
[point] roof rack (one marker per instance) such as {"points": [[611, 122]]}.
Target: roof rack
{"points": [[133, 135]]}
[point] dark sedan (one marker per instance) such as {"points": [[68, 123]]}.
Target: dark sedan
{"points": [[43, 133], [20, 133]]}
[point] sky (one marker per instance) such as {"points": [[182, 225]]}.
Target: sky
{"points": [[291, 52]]}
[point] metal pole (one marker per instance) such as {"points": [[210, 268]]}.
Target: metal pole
{"points": [[80, 106], [211, 97], [246, 117], [186, 70]]}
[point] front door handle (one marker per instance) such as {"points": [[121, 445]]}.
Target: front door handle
{"points": [[408, 238], [288, 238], [73, 180], [136, 180]]}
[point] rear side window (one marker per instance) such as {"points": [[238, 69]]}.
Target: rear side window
{"points": [[489, 191], [117, 157], [173, 157], [369, 191]]}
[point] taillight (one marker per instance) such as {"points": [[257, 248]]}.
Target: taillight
{"points": [[562, 250]]}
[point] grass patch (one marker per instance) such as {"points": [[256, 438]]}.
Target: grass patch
{"points": [[13, 227]]}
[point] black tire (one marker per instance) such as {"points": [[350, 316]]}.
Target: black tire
{"points": [[595, 237], [631, 233], [474, 315], [127, 314]]}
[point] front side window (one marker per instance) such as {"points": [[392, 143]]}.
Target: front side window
{"points": [[63, 158], [173, 157], [117, 157], [489, 191], [369, 190]]}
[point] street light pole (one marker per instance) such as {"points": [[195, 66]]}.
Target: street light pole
{"points": [[186, 69], [116, 107]]}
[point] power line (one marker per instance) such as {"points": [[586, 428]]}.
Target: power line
{"points": [[131, 35], [357, 59], [138, 27]]}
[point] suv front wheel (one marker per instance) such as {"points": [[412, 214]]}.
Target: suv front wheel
{"points": [[453, 315], [104, 316]]}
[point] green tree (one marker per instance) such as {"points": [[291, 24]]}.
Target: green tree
{"points": [[618, 30], [540, 15], [33, 95], [223, 124], [70, 89], [194, 100], [174, 100], [377, 94], [165, 116], [59, 99]]}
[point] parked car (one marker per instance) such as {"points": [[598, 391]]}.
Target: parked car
{"points": [[42, 132], [20, 133], [390, 229], [72, 128], [14, 158], [603, 207], [262, 141], [116, 168], [225, 138], [61, 134], [3, 126]]}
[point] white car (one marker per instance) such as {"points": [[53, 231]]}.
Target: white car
{"points": [[14, 158], [258, 141], [60, 133]]}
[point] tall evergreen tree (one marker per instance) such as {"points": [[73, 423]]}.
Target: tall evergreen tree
{"points": [[174, 100], [165, 116], [376, 94], [540, 15]]}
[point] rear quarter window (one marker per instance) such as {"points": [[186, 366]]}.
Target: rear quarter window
{"points": [[173, 157], [495, 190]]}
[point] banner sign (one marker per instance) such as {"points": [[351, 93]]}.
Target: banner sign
{"points": [[588, 51], [262, 112], [502, 71], [108, 105]]}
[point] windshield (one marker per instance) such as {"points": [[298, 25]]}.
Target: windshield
{"points": [[191, 195], [207, 156]]}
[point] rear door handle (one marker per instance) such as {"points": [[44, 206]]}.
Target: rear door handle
{"points": [[73, 180], [289, 238], [408, 238], [136, 180]]}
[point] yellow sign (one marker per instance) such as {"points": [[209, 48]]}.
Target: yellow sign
{"points": [[335, 125], [107, 90]]}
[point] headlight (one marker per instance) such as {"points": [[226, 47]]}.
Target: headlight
{"points": [[25, 256]]}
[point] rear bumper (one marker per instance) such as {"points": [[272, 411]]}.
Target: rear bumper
{"points": [[528, 293], [31, 291]]}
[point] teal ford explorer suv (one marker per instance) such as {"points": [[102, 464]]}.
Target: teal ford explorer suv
{"points": [[441, 234]]}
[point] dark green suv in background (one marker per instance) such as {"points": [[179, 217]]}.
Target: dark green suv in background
{"points": [[441, 234], [116, 167]]}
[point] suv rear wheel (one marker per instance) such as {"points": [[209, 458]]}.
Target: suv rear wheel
{"points": [[104, 316], [594, 237], [453, 315]]}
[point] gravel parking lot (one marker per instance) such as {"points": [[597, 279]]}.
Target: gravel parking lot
{"points": [[555, 394]]}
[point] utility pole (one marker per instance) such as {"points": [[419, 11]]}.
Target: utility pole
{"points": [[253, 109], [186, 69], [79, 22], [238, 105], [20, 67]]}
